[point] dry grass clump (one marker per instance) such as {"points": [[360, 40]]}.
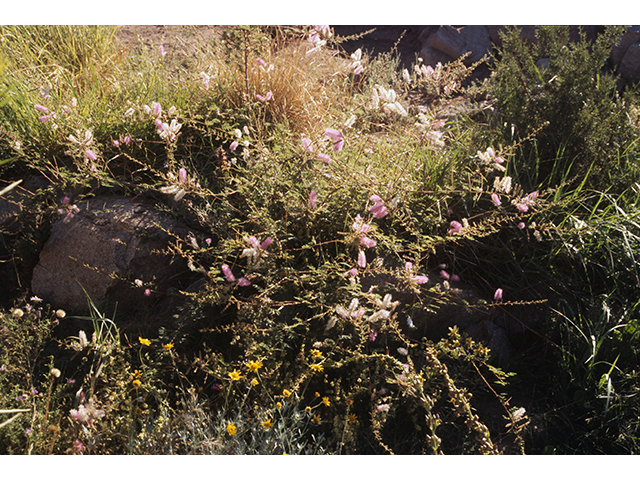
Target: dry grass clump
{"points": [[306, 83]]}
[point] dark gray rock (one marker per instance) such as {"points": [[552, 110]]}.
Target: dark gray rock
{"points": [[107, 245], [630, 65], [630, 37], [449, 41]]}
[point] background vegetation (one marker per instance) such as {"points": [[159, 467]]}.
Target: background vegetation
{"points": [[310, 176]]}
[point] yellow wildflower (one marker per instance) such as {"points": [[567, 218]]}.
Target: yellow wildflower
{"points": [[254, 365], [326, 401], [308, 409], [279, 405], [267, 424], [144, 341], [353, 418], [168, 346], [286, 393], [317, 394], [137, 383], [317, 367], [137, 374], [316, 353], [254, 382], [231, 428], [316, 419], [349, 402], [235, 375]]}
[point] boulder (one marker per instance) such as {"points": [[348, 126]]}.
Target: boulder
{"points": [[629, 38], [629, 68], [103, 248], [455, 42]]}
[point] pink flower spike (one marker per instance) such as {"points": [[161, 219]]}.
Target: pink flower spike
{"points": [[266, 243], [312, 199], [379, 210], [90, 155], [261, 62], [306, 144], [445, 275], [126, 140], [359, 69], [362, 259], [157, 109], [42, 109], [521, 225], [254, 242], [147, 292], [266, 98], [498, 160], [333, 134], [373, 335], [243, 282], [66, 201], [498, 295], [522, 207], [116, 143], [408, 267], [324, 157], [336, 136], [368, 242], [161, 50], [207, 241], [44, 118], [353, 272], [455, 278], [455, 227], [233, 146], [182, 175], [359, 227], [227, 273], [419, 279], [495, 199], [159, 124], [375, 199]]}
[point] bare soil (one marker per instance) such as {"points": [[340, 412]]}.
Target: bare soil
{"points": [[182, 39]]}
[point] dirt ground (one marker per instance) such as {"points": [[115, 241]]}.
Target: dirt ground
{"points": [[182, 37]]}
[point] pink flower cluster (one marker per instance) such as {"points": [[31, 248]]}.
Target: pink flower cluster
{"points": [[48, 116], [126, 140], [378, 209], [361, 228], [265, 98], [526, 202], [334, 135], [243, 282], [417, 279], [86, 414], [456, 227], [444, 274]]}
